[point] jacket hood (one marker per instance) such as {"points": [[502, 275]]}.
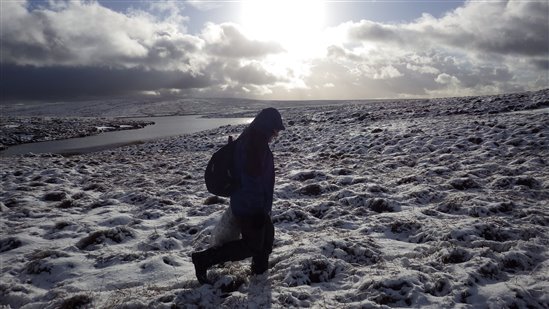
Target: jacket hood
{"points": [[268, 120]]}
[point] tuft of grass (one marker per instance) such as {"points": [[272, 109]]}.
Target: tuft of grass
{"points": [[77, 301], [116, 234]]}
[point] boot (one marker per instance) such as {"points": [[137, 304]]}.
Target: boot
{"points": [[200, 267], [260, 264], [232, 251]]}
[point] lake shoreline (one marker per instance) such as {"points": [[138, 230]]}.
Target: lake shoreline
{"points": [[72, 136], [17, 130]]}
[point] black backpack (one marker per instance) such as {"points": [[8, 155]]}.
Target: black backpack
{"points": [[220, 174]]}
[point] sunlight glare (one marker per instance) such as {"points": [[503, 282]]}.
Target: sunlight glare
{"points": [[294, 24]]}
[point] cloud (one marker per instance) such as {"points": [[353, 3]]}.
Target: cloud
{"points": [[508, 27], [252, 73], [372, 31], [30, 82], [204, 5], [499, 27], [446, 79], [480, 47], [347, 80], [88, 34], [226, 40], [96, 51], [541, 64], [340, 52], [387, 72], [422, 69]]}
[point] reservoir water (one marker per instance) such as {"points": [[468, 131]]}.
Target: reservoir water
{"points": [[163, 127]]}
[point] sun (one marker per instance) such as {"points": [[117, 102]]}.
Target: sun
{"points": [[292, 23]]}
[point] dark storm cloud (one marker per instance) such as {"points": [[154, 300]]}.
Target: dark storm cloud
{"points": [[542, 64], [30, 82]]}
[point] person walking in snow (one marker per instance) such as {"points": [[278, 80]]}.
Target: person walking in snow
{"points": [[252, 202]]}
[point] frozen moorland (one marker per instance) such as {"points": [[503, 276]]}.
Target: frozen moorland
{"points": [[422, 203]]}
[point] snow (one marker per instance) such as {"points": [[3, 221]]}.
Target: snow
{"points": [[391, 204]]}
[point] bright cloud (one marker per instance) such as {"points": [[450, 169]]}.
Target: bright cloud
{"points": [[87, 34], [227, 40], [480, 47]]}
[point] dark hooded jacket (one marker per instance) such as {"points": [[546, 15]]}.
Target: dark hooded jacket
{"points": [[254, 166]]}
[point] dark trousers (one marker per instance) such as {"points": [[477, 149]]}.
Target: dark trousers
{"points": [[256, 242]]}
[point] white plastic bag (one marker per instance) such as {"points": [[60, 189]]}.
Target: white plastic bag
{"points": [[226, 229]]}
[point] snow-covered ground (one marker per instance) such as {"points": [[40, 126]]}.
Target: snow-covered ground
{"points": [[424, 203]]}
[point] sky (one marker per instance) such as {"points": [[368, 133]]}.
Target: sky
{"points": [[279, 50]]}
